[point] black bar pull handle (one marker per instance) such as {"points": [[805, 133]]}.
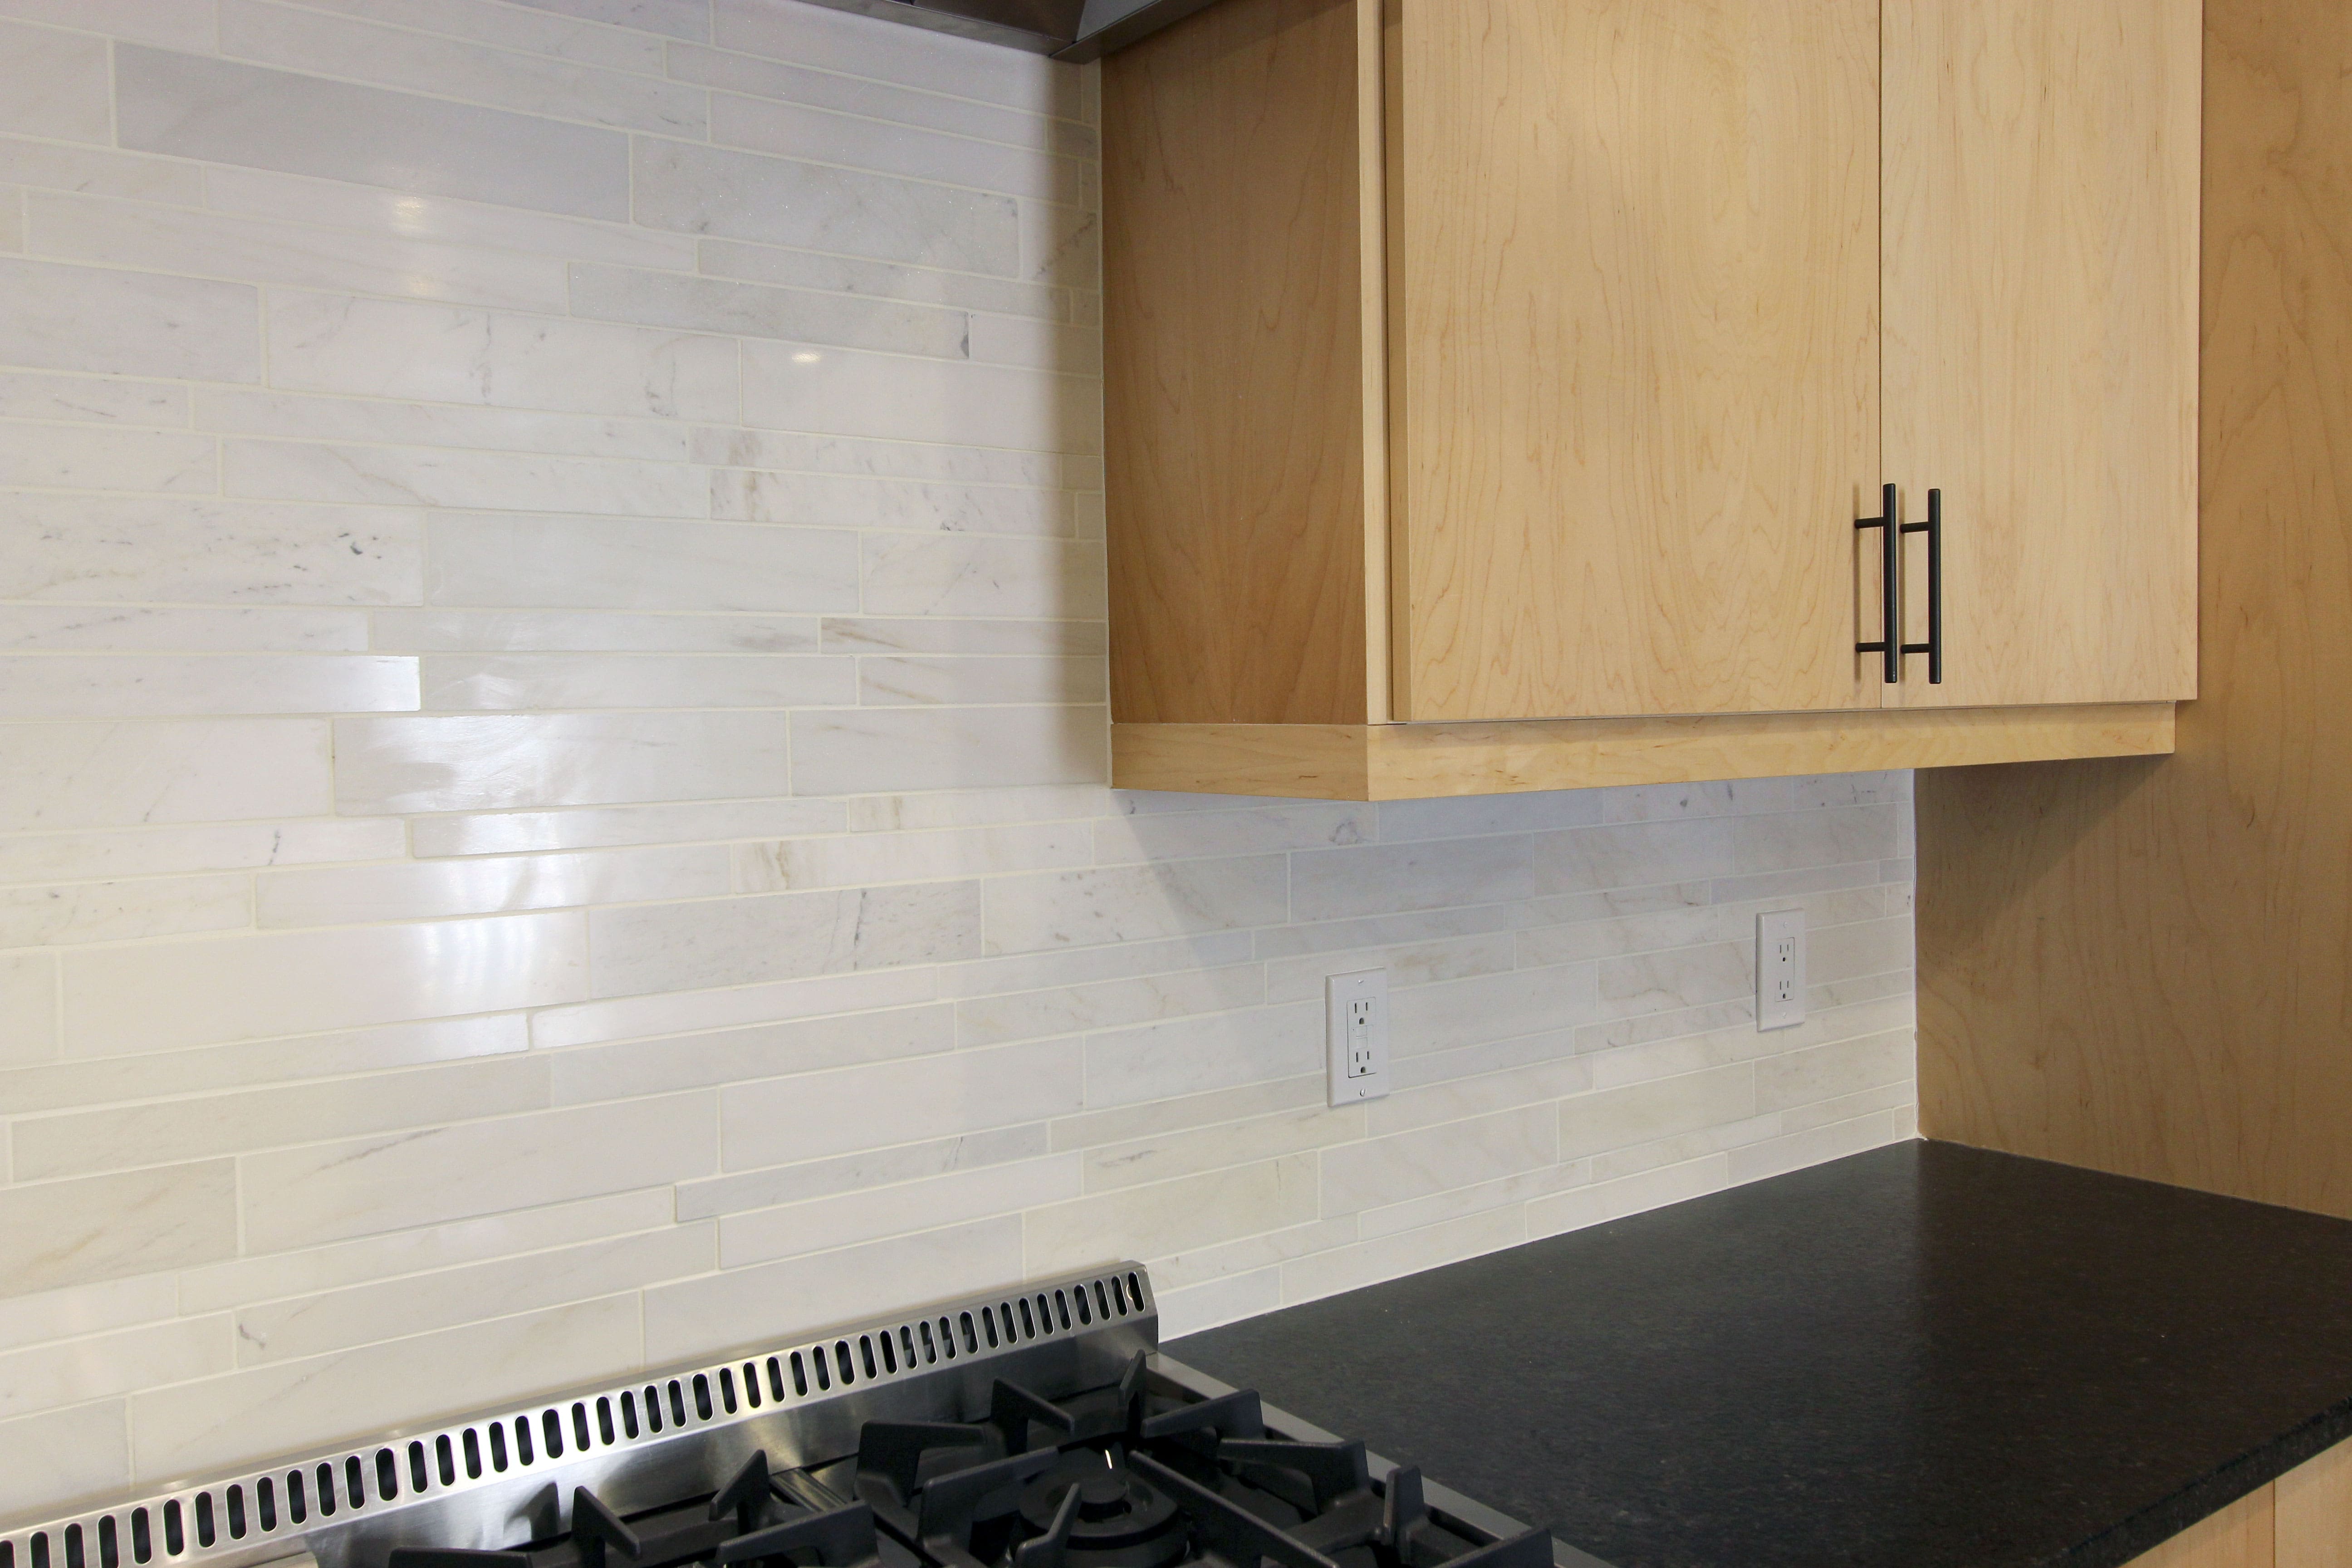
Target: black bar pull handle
{"points": [[1934, 529], [1890, 577]]}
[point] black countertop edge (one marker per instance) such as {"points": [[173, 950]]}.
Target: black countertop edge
{"points": [[2241, 1477]]}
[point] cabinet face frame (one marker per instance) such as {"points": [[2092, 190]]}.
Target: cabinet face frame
{"points": [[1633, 342]]}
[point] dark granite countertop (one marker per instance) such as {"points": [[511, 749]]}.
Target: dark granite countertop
{"points": [[1921, 1356]]}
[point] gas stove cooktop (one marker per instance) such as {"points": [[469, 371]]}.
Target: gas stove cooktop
{"points": [[1029, 1430]]}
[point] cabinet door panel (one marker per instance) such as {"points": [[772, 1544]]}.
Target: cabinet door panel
{"points": [[1633, 343], [2040, 342]]}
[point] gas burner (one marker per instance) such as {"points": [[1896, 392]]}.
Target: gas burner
{"points": [[1100, 1515]]}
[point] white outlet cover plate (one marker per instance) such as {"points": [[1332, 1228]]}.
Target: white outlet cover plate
{"points": [[1356, 1034], [1780, 969]]}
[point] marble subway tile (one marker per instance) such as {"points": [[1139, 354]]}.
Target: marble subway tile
{"points": [[173, 24], [1841, 1068], [1176, 836], [123, 628], [233, 113], [101, 1365], [489, 22], [782, 201], [779, 936], [1128, 903], [1639, 1113], [304, 40], [1195, 1150], [331, 1192], [799, 131], [975, 807], [68, 1458], [696, 1318], [1465, 816], [978, 638], [590, 1073], [792, 268], [53, 83], [1212, 1303], [686, 19], [1338, 1269], [821, 1225], [1426, 1160], [847, 860], [93, 400], [56, 685], [1107, 1003], [123, 911], [1061, 245], [215, 1423], [113, 549], [1170, 1216], [866, 1168], [588, 631], [28, 1009], [524, 682], [519, 832], [754, 310], [861, 95], [858, 751], [839, 500], [408, 476], [355, 895], [1194, 1055], [635, 1018], [1408, 965], [1834, 836], [142, 772], [442, 353], [955, 461], [58, 317], [1067, 350], [373, 422], [75, 457], [129, 234], [962, 574], [1074, 966], [46, 166], [780, 29], [594, 564], [1378, 878], [816, 1114], [492, 763], [1775, 1156], [1605, 1201], [848, 392], [105, 1227], [212, 990], [951, 681], [163, 851]]}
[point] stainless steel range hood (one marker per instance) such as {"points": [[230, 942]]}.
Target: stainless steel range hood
{"points": [[1066, 29]]}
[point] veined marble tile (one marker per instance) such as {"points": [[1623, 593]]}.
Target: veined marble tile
{"points": [[815, 1114], [392, 348], [975, 808], [583, 631], [233, 113], [574, 562], [46, 166], [1191, 1211], [239, 1123], [141, 771], [29, 1008], [393, 56], [947, 682], [68, 1458], [486, 22], [868, 1168], [164, 851], [729, 195], [174, 23], [1061, 245], [1042, 345], [58, 317], [86, 458], [1216, 1301], [1412, 1165], [1407, 963], [1194, 1150], [524, 682], [856, 750], [362, 1314], [94, 400], [666, 1013], [1681, 977], [951, 463], [1806, 838], [1461, 816], [820, 1225], [1123, 903], [492, 763], [1462, 1098], [879, 280], [838, 501], [1643, 1112], [1365, 1262], [78, 1371], [1828, 1071], [212, 1424], [625, 1072], [410, 216], [1085, 965], [518, 832], [129, 234], [377, 422], [957, 116], [59, 685], [858, 141], [149, 1075], [754, 310], [1605, 1201], [1445, 1014], [1075, 1008], [1194, 1055], [963, 574], [105, 1227], [650, 948], [1774, 1156], [355, 895], [53, 83], [1183, 835], [328, 1192], [123, 911], [758, 1305], [852, 46], [12, 219], [1865, 947], [1691, 927], [847, 391], [114, 549], [1380, 878], [418, 476], [849, 860], [216, 989], [688, 19], [934, 634]]}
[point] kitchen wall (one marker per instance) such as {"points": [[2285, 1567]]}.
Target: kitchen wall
{"points": [[551, 805]]}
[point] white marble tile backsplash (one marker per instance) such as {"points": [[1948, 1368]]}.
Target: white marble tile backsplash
{"points": [[552, 741]]}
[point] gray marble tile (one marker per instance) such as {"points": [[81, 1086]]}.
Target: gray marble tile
{"points": [[561, 563], [781, 936], [751, 310], [137, 323], [53, 83], [104, 548]]}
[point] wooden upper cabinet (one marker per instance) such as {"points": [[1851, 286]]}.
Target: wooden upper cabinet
{"points": [[1634, 341], [2041, 264]]}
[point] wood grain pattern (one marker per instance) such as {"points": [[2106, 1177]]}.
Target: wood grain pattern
{"points": [[2040, 340], [2240, 1536], [1633, 322], [2146, 967], [2312, 1507], [1242, 383], [1404, 761]]}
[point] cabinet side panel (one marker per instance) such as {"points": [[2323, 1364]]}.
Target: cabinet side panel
{"points": [[2240, 1536], [2313, 1509], [1235, 378], [2147, 966]]}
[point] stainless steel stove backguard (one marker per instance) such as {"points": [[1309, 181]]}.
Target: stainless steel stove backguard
{"points": [[490, 1480]]}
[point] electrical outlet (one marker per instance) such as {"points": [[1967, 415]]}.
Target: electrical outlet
{"points": [[1780, 969], [1356, 1033]]}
